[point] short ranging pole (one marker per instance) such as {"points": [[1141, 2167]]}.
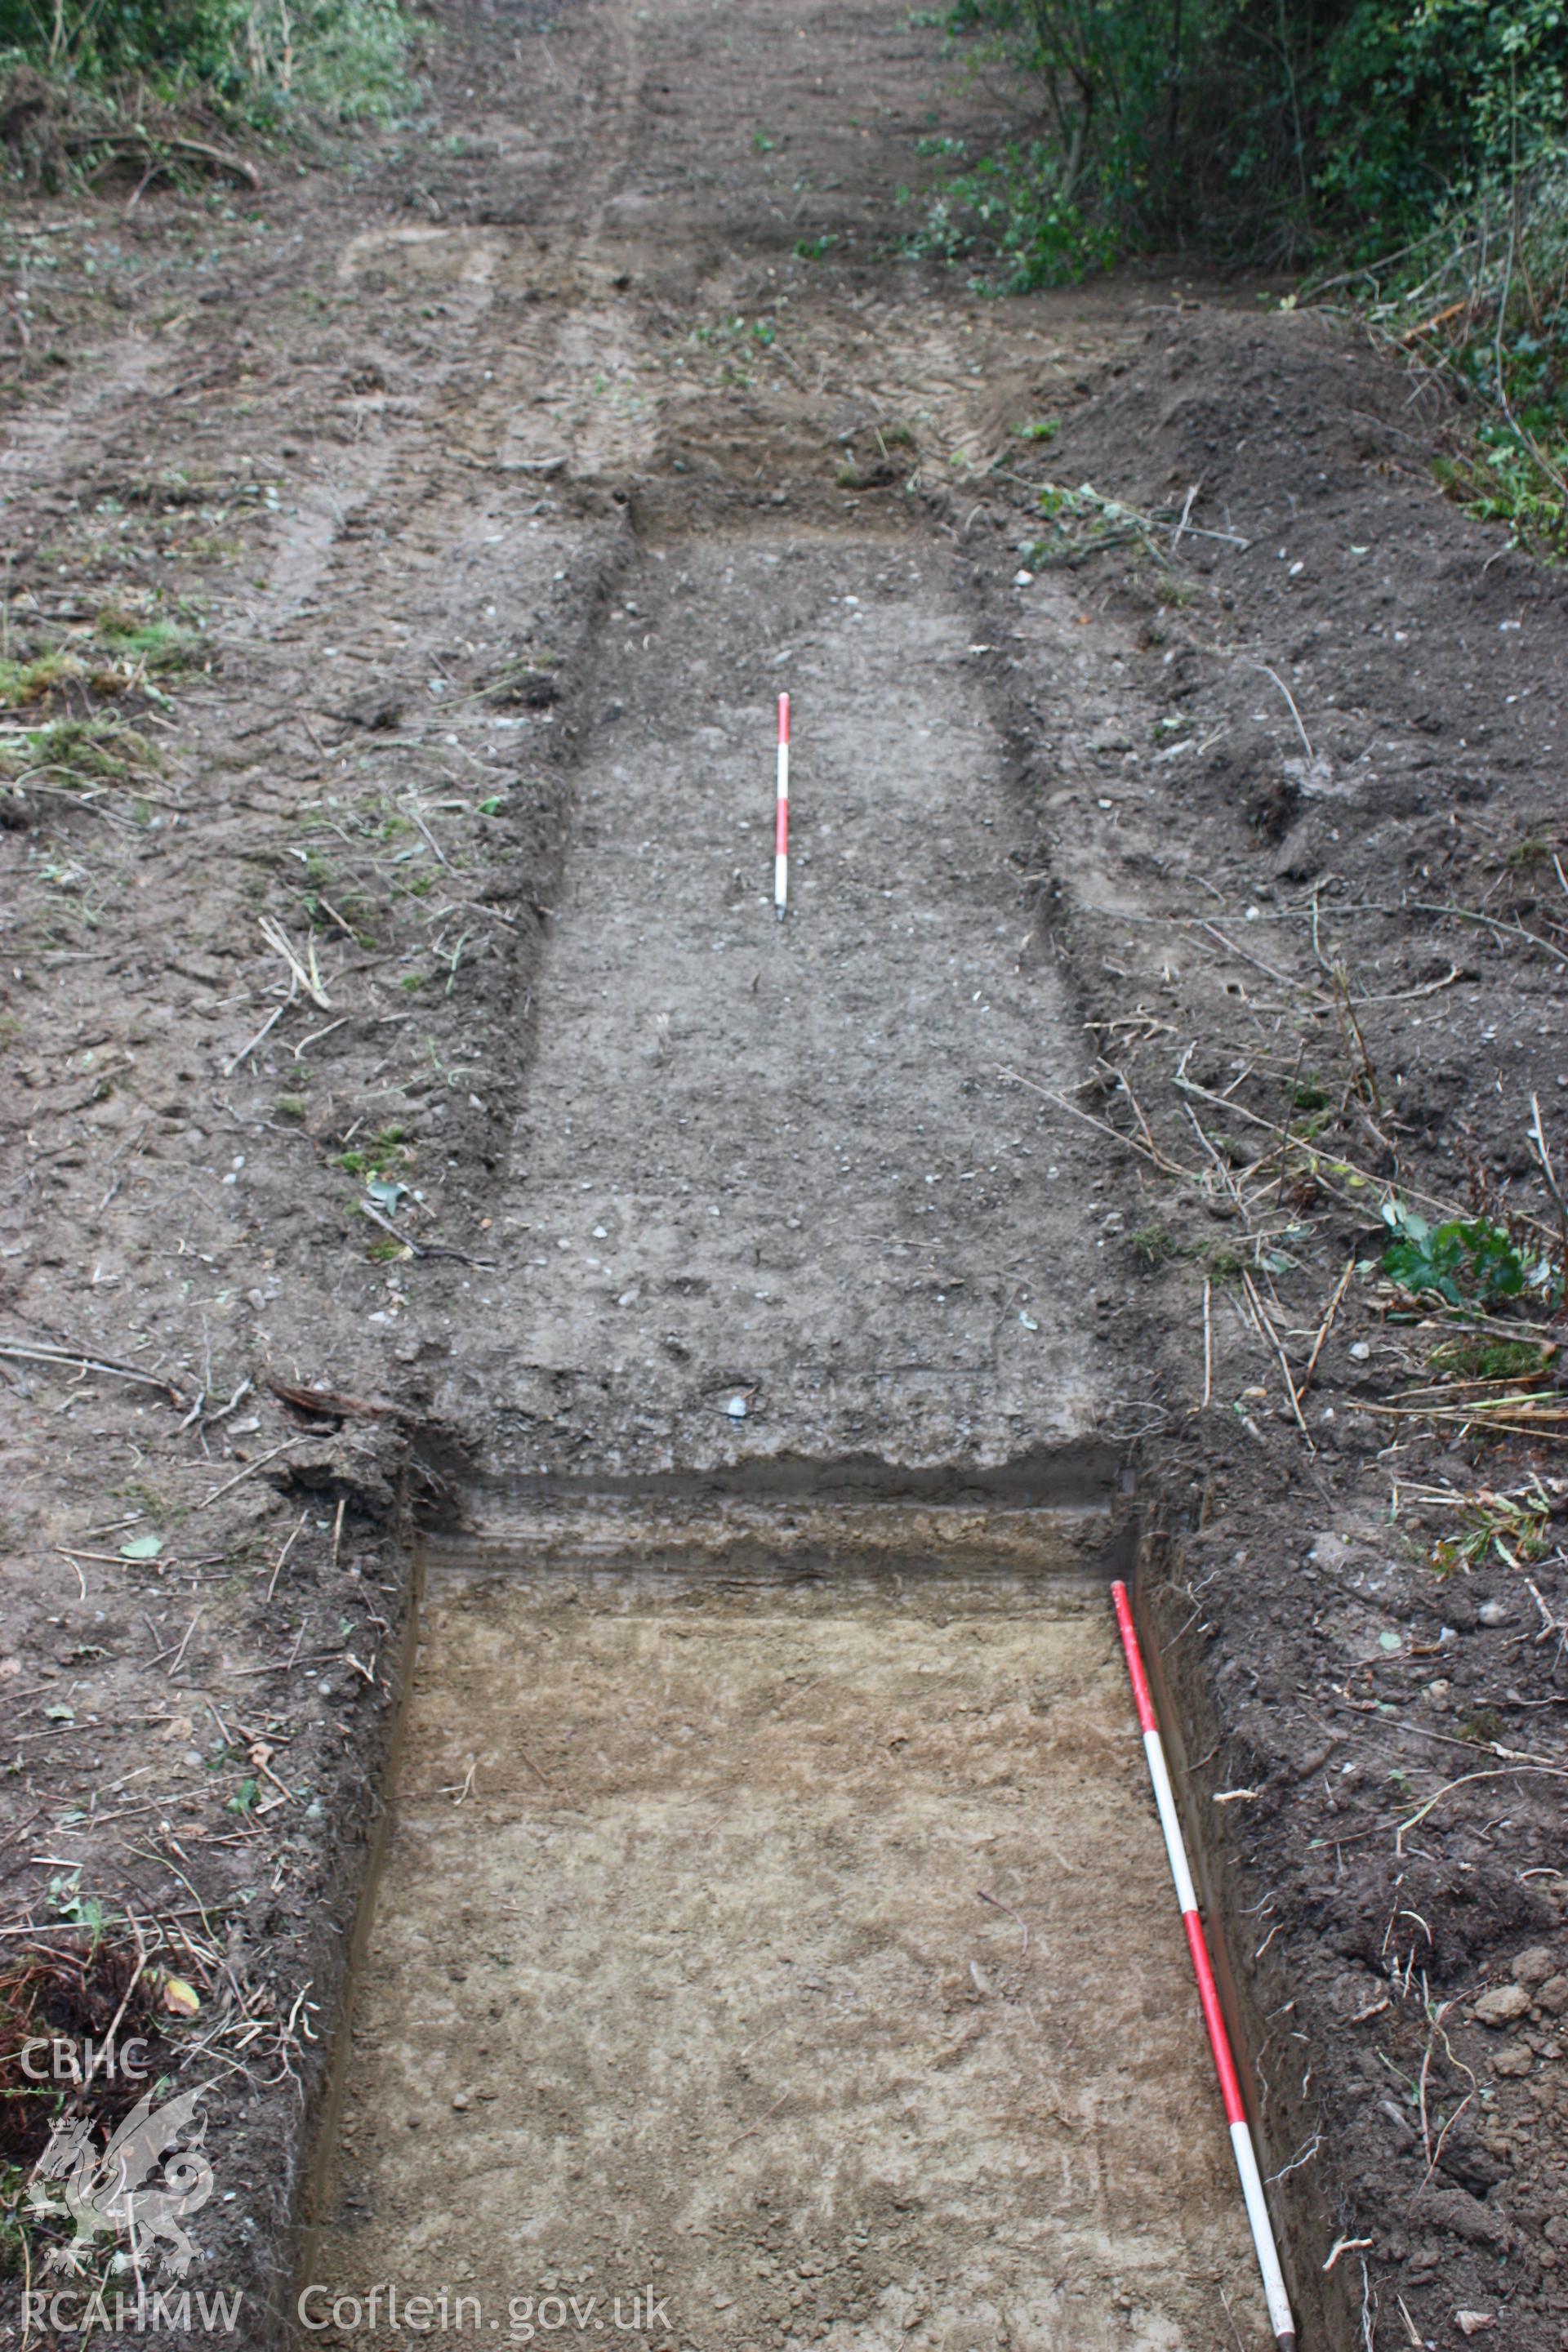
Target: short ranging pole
{"points": [[781, 831], [1279, 2315]]}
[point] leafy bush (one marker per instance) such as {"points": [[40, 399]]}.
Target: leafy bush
{"points": [[349, 57], [1014, 201], [1264, 129], [1466, 1261], [1431, 132], [1418, 100]]}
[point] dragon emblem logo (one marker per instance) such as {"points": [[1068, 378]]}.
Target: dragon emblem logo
{"points": [[120, 2187]]}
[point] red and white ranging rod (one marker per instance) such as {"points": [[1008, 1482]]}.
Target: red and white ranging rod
{"points": [[1280, 2314], [781, 828]]}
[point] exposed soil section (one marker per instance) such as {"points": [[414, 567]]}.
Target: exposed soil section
{"points": [[748, 1947], [409, 457]]}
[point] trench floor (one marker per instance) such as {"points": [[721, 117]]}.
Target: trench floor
{"points": [[799, 1951], [809, 1162]]}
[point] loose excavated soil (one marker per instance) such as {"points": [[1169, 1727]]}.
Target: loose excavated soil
{"points": [[803, 1954], [613, 341]]}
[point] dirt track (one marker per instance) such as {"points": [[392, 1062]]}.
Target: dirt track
{"points": [[512, 473]]}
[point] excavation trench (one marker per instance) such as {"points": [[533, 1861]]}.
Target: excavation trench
{"points": [[780, 1931], [773, 1919], [802, 1163]]}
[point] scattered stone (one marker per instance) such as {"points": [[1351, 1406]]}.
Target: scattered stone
{"points": [[1504, 2005], [1494, 1612], [460, 2100], [1471, 2322], [1533, 1967], [1553, 1997], [1514, 2058]]}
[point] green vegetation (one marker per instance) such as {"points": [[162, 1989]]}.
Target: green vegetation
{"points": [[726, 333], [1084, 522], [1516, 1528], [1467, 1262], [265, 60], [1412, 151], [74, 754], [382, 1156], [119, 655], [1483, 298], [1270, 132], [1493, 1359]]}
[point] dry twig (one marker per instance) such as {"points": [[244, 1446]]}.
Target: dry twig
{"points": [[307, 973], [34, 1351]]}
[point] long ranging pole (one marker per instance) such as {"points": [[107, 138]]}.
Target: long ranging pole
{"points": [[780, 827], [1281, 2318]]}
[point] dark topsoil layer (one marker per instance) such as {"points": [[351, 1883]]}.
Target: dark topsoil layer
{"points": [[1326, 1680], [1328, 1673]]}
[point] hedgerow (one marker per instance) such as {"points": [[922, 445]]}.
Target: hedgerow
{"points": [[1416, 145], [264, 58]]}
